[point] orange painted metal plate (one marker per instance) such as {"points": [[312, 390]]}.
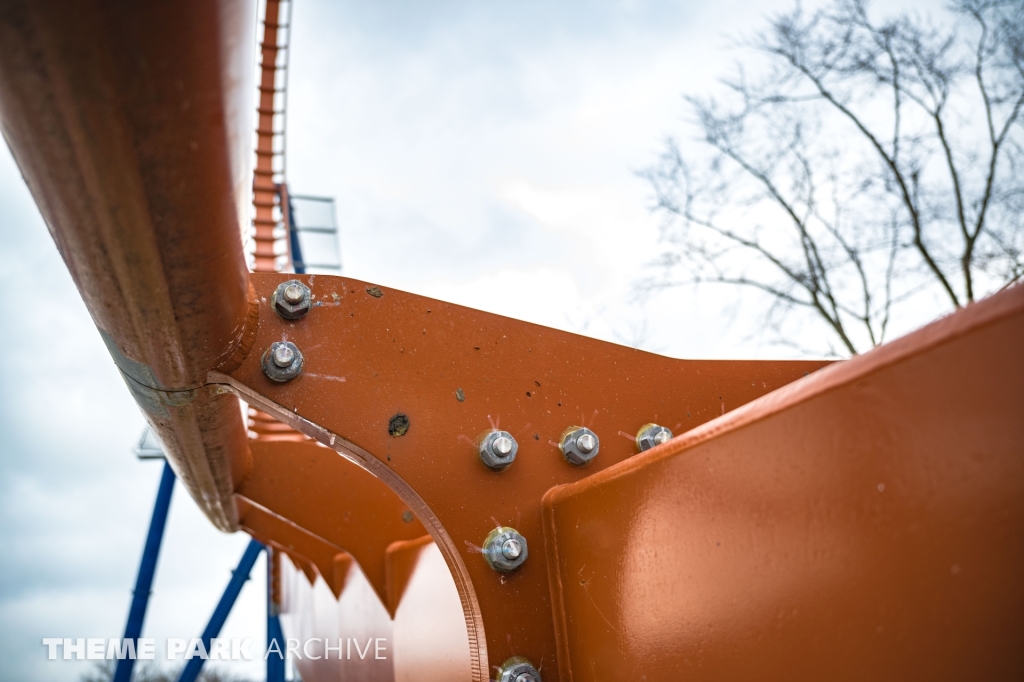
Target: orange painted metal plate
{"points": [[430, 641], [331, 561], [867, 523], [401, 559], [332, 499], [372, 353], [314, 617]]}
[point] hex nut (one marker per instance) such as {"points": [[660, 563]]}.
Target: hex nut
{"points": [[651, 435], [505, 549], [282, 361], [518, 669], [498, 449], [287, 304], [579, 445]]}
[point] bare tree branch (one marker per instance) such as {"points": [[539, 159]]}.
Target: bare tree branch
{"points": [[852, 228]]}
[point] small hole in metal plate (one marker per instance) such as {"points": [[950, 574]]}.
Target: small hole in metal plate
{"points": [[398, 425]]}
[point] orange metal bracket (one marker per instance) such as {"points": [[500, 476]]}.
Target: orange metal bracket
{"points": [[373, 353], [331, 561], [332, 499], [304, 565], [400, 560], [865, 524]]}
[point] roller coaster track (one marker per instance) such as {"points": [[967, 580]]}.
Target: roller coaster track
{"points": [[269, 185], [270, 243]]}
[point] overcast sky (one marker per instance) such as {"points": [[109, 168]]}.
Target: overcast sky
{"points": [[480, 152]]}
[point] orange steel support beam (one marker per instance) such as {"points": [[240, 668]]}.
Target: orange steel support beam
{"points": [[332, 499], [130, 124], [303, 564], [372, 353], [864, 524], [331, 561], [401, 559]]}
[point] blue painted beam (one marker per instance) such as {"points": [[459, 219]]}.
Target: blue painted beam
{"points": [[298, 264], [144, 580], [275, 663], [220, 614]]}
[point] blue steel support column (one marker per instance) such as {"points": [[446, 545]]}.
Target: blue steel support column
{"points": [[275, 663], [298, 264], [144, 581], [220, 614]]}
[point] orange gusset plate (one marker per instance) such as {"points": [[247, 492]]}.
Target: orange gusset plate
{"points": [[866, 524], [372, 353]]}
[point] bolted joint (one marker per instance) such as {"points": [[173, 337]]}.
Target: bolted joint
{"points": [[650, 435], [291, 299], [282, 361], [579, 445], [498, 449], [518, 669], [505, 549]]}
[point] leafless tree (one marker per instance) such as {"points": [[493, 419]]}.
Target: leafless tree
{"points": [[868, 167]]}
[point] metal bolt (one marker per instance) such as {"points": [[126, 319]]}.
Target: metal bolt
{"points": [[291, 299], [505, 550], [511, 549], [579, 445], [650, 435], [502, 445], [498, 449], [283, 355], [518, 669], [282, 361], [293, 293], [586, 442]]}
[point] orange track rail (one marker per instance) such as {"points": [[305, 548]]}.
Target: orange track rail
{"points": [[269, 170], [270, 203]]}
